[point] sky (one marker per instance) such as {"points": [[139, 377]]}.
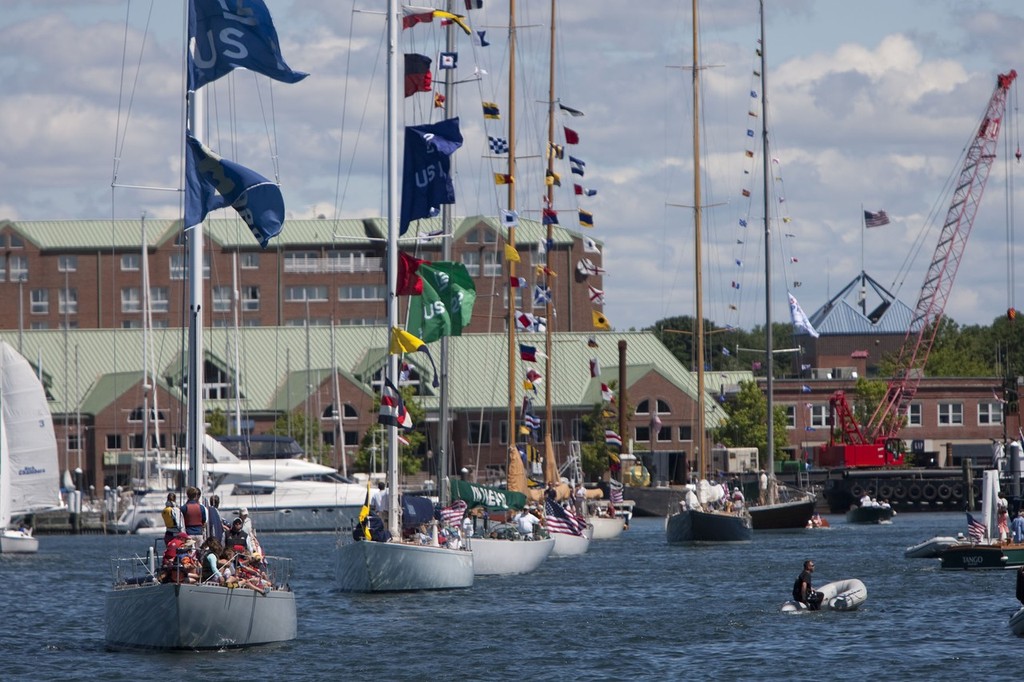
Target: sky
{"points": [[870, 106]]}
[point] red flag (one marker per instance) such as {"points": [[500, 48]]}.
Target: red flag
{"points": [[409, 283], [571, 136], [417, 74]]}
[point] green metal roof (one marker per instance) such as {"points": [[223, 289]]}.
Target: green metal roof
{"points": [[102, 364]]}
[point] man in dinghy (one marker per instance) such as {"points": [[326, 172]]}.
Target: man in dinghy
{"points": [[802, 590]]}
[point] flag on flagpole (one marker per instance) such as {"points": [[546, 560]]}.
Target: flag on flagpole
{"points": [[612, 439], [875, 219], [800, 320], [404, 342], [976, 529], [511, 254], [600, 321], [606, 393], [392, 408], [596, 295], [452, 514], [527, 353], [595, 367], [560, 520]]}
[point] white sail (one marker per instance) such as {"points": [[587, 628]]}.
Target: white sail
{"points": [[29, 476]]}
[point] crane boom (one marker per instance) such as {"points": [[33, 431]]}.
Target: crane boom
{"points": [[887, 420], [873, 443]]}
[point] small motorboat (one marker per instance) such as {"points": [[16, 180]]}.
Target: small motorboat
{"points": [[841, 595], [1017, 622], [866, 514], [932, 547]]}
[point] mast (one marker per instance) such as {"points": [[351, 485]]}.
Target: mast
{"points": [[511, 238], [769, 354], [444, 429], [391, 371], [195, 427], [698, 283], [550, 463]]}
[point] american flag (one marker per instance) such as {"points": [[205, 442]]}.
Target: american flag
{"points": [[976, 529], [561, 520], [615, 492], [875, 219], [452, 515]]}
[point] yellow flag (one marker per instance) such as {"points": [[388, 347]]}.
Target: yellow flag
{"points": [[364, 513], [404, 342], [455, 18], [511, 254], [600, 321], [503, 179]]}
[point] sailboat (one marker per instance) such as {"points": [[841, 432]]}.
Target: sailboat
{"points": [[29, 476], [697, 521], [393, 565], [783, 507], [145, 609]]}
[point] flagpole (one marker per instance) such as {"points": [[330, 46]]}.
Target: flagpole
{"points": [[511, 241]]}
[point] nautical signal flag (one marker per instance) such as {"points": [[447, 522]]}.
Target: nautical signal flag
{"points": [[480, 38], [612, 439], [438, 100], [509, 218], [586, 218], [590, 246], [549, 216], [577, 165], [498, 145], [511, 255], [570, 110], [392, 408], [404, 342], [527, 353], [596, 295], [491, 110], [571, 136], [516, 282], [409, 283], [447, 60], [595, 367], [606, 394], [552, 178], [534, 376], [556, 150], [474, 4], [417, 74], [600, 321], [503, 179], [541, 295], [591, 342]]}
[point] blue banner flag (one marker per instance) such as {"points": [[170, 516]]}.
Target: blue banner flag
{"points": [[212, 182], [426, 174], [229, 35]]}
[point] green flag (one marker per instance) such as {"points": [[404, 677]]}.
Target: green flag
{"points": [[446, 305]]}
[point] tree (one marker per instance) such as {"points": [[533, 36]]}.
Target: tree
{"points": [[306, 433], [746, 425], [216, 423], [596, 455], [374, 443]]}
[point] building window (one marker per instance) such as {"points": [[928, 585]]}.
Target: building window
{"points": [[479, 433], [473, 236], [914, 414], [131, 300], [665, 434], [471, 259], [951, 414], [221, 299], [249, 261], [19, 268], [137, 414], [351, 438], [492, 266], [818, 415], [68, 301], [362, 292], [130, 262], [178, 266], [642, 434], [301, 294], [363, 322], [40, 301], [67, 263], [990, 413], [159, 300], [113, 441], [790, 416], [580, 431], [643, 407], [16, 242], [250, 299], [686, 433], [301, 261]]}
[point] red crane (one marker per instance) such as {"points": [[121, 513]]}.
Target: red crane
{"points": [[876, 444]]}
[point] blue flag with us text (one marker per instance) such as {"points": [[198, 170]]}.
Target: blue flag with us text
{"points": [[229, 35], [426, 169], [212, 182]]}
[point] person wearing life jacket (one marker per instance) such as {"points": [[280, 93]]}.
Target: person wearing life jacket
{"points": [[194, 515], [172, 570], [173, 520], [236, 538]]}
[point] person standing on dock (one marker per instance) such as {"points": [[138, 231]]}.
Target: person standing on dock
{"points": [[1017, 526]]}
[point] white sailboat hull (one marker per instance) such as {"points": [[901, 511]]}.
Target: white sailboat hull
{"points": [[367, 566], [168, 616], [607, 528], [572, 545], [509, 557], [17, 542]]}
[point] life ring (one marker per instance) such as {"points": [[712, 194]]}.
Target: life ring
{"points": [[945, 492], [929, 492], [870, 490], [914, 493], [899, 492], [976, 488], [885, 491], [857, 491], [958, 492]]}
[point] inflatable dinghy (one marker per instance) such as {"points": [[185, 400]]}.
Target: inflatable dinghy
{"points": [[841, 595]]}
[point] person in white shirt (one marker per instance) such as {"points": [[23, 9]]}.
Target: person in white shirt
{"points": [[525, 522]]}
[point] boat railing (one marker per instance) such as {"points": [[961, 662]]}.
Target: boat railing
{"points": [[129, 572]]}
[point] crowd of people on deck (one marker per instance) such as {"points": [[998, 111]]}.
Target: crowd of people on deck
{"points": [[201, 548]]}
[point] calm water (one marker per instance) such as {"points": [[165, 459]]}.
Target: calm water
{"points": [[630, 608]]}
